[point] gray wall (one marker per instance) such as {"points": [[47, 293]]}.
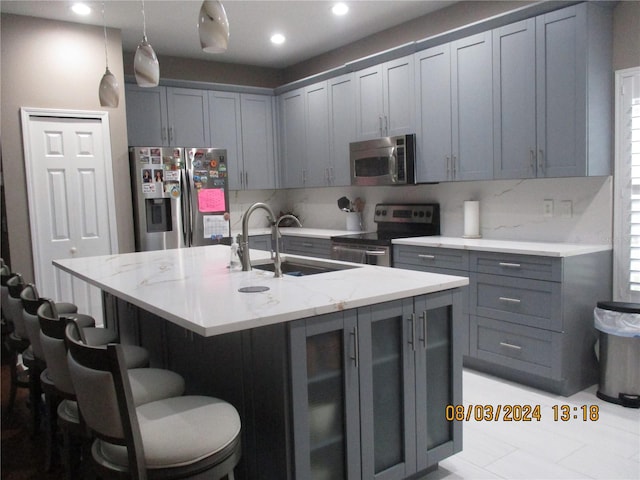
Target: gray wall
{"points": [[51, 64]]}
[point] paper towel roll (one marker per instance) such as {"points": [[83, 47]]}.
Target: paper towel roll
{"points": [[471, 219]]}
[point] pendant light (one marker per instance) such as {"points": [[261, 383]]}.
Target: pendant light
{"points": [[108, 92], [145, 62], [213, 27]]}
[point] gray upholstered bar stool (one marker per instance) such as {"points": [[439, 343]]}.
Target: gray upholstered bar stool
{"points": [[149, 384], [180, 437]]}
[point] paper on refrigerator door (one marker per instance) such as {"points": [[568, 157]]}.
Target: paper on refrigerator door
{"points": [[215, 226]]}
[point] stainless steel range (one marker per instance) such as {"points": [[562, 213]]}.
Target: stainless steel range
{"points": [[393, 221]]}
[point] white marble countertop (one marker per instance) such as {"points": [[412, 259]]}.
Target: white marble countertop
{"points": [[300, 232], [547, 249], [193, 287]]}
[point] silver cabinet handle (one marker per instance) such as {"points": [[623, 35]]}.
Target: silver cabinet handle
{"points": [[454, 160], [170, 135], [448, 161], [541, 164], [509, 300], [423, 337], [425, 256], [380, 122], [354, 356], [509, 265], [510, 345], [308, 245], [386, 125], [532, 160], [163, 133], [375, 253], [412, 338], [246, 179]]}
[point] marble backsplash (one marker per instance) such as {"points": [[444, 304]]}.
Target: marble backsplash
{"points": [[509, 209]]}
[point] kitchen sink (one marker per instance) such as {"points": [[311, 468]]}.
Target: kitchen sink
{"points": [[301, 268]]}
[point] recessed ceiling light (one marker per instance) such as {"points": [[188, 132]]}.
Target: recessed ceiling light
{"points": [[340, 9], [81, 9], [277, 38]]}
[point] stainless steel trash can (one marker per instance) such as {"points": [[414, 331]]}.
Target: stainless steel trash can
{"points": [[619, 326]]}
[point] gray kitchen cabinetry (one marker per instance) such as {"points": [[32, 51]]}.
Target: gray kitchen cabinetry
{"points": [[529, 317], [370, 389], [342, 127], [552, 94], [293, 142], [438, 260], [260, 242], [385, 99], [316, 125], [532, 317], [455, 110], [307, 246], [244, 125], [167, 116]]}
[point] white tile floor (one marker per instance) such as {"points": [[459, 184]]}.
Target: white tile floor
{"points": [[608, 448]]}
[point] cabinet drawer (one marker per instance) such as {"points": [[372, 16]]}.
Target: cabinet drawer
{"points": [[312, 247], [534, 303], [431, 257], [522, 266], [522, 348]]}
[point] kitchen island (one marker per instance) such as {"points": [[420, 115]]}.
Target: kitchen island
{"points": [[343, 374]]}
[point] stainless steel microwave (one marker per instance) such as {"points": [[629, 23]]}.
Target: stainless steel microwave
{"points": [[383, 161]]}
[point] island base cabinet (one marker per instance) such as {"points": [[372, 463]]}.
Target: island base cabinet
{"points": [[370, 388]]}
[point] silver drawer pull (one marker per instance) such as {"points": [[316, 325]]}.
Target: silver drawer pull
{"points": [[376, 253], [307, 244], [510, 345], [428, 257], [509, 265], [509, 300]]}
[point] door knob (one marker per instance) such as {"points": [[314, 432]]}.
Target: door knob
{"points": [[73, 250]]}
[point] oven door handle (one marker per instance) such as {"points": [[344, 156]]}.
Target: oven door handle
{"points": [[375, 253]]}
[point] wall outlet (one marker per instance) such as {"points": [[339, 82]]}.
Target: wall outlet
{"points": [[547, 208], [566, 209]]}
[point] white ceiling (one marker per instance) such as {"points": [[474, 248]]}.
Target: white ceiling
{"points": [[310, 27]]}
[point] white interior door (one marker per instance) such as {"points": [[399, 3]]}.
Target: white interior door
{"points": [[71, 199]]}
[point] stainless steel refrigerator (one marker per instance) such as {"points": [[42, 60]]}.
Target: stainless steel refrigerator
{"points": [[180, 196]]}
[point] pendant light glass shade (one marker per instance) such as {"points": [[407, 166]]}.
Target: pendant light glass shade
{"points": [[213, 27], [109, 90], [145, 62], [145, 65]]}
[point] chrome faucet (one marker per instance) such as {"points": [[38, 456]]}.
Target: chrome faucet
{"points": [[243, 249], [277, 263]]}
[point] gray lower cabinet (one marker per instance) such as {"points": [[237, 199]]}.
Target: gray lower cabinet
{"points": [[260, 242], [438, 260], [357, 394], [308, 246], [530, 317], [370, 387]]}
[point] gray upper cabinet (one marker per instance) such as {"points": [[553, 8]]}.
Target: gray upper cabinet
{"points": [[292, 138], [167, 116], [342, 127], [258, 148], [316, 169], [552, 94], [385, 100], [574, 81], [317, 123], [433, 99], [455, 111], [472, 108], [514, 64], [243, 124], [226, 132]]}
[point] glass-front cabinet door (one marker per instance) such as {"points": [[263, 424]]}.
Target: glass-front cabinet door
{"points": [[386, 339], [324, 366], [438, 354]]}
